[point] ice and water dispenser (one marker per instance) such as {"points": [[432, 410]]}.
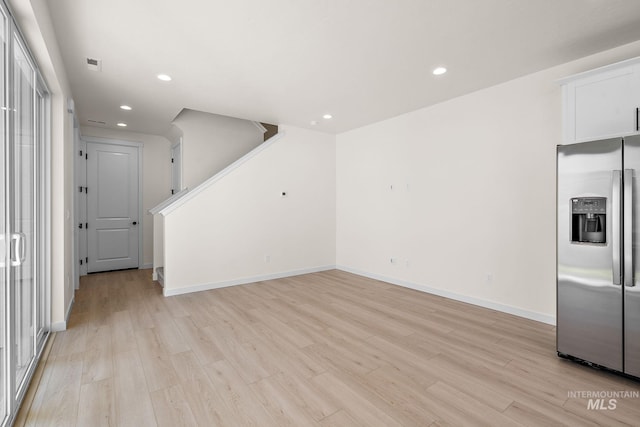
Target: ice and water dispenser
{"points": [[589, 220]]}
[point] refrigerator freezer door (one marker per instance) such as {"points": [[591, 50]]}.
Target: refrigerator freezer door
{"points": [[632, 284], [589, 317]]}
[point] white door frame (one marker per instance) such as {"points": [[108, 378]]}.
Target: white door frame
{"points": [[177, 146], [80, 146], [139, 146]]}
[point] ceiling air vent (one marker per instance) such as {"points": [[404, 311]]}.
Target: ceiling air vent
{"points": [[94, 64], [96, 122]]}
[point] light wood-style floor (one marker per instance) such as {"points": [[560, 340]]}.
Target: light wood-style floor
{"points": [[324, 349]]}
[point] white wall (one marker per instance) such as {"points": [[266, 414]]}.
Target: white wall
{"points": [[158, 243], [173, 134], [224, 234], [156, 177], [472, 210], [211, 143], [505, 137]]}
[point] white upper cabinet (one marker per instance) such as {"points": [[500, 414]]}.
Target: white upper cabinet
{"points": [[602, 103]]}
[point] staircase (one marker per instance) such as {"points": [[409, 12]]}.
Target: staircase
{"points": [[269, 214], [176, 201]]}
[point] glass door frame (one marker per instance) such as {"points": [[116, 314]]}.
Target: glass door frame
{"points": [[5, 375], [41, 214], [43, 133]]}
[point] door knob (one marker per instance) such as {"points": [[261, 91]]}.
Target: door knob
{"points": [[135, 223]]}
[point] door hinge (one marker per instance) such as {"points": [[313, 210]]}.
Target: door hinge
{"points": [[80, 188], [86, 190], [80, 226], [86, 225], [173, 191], [86, 156], [86, 260], [80, 262]]}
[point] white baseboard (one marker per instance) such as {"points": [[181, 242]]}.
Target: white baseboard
{"points": [[59, 326], [244, 281], [62, 326], [527, 314], [159, 272]]}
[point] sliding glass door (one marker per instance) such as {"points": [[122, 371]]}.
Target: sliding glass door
{"points": [[24, 210], [4, 240], [23, 227]]}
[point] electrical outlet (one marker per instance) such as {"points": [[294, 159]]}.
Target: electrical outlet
{"points": [[393, 260]]}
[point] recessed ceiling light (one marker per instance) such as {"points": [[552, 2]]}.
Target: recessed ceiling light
{"points": [[164, 77], [327, 116], [126, 107], [122, 125], [439, 71]]}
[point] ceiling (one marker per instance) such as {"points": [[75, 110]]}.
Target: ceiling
{"points": [[292, 61]]}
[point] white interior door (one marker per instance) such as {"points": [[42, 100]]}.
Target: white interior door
{"points": [[113, 207]]}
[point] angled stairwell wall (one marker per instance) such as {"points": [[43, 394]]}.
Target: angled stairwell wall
{"points": [[238, 227], [211, 142]]}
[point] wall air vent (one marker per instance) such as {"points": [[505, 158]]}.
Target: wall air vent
{"points": [[94, 64], [97, 122]]}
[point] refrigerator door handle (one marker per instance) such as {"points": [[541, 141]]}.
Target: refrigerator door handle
{"points": [[628, 227], [616, 226]]}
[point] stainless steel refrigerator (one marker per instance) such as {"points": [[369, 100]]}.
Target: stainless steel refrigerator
{"points": [[598, 283]]}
